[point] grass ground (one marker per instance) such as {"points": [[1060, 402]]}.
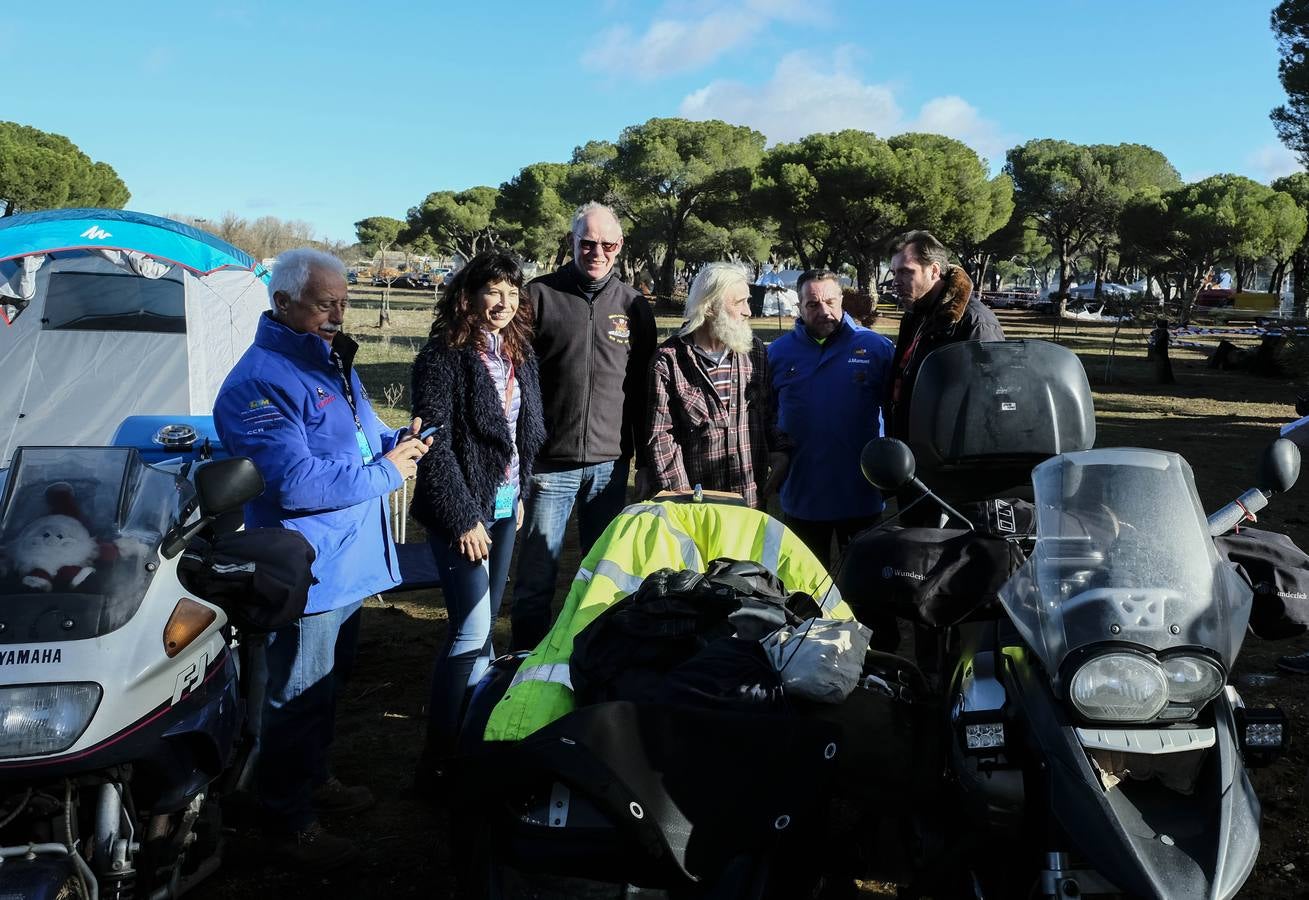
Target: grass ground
{"points": [[1218, 420]]}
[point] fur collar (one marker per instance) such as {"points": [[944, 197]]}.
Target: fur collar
{"points": [[950, 305]]}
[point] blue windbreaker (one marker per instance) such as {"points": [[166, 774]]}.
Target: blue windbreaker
{"points": [[829, 398], [283, 405]]}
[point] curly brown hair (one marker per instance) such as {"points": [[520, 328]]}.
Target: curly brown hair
{"points": [[460, 323]]}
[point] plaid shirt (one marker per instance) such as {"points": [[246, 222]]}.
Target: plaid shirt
{"points": [[696, 437]]}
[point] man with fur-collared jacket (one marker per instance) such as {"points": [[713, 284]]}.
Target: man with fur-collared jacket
{"points": [[939, 309]]}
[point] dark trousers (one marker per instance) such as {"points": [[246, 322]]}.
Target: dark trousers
{"points": [[817, 536]]}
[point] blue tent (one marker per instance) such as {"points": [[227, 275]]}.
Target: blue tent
{"points": [[108, 314]]}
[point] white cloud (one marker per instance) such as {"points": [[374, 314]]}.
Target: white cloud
{"points": [[810, 93], [1272, 161], [955, 117], [669, 44], [802, 97]]}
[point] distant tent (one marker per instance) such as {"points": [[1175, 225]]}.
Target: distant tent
{"points": [[111, 313]]}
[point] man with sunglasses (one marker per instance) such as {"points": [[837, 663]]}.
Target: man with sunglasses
{"points": [[595, 340], [295, 406]]}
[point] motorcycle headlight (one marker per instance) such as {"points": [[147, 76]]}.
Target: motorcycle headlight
{"points": [[1119, 687], [1192, 680], [36, 719]]}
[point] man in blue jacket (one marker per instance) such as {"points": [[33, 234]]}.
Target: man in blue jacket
{"points": [[830, 375], [295, 406]]}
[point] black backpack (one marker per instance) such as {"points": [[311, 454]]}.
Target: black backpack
{"points": [[628, 651]]}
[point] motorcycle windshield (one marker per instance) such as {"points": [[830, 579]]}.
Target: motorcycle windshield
{"points": [[80, 530], [1123, 554]]}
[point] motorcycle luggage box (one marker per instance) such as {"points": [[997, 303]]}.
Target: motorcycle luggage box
{"points": [[985, 412]]}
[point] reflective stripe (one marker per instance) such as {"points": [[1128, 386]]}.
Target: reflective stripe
{"points": [[690, 552], [627, 583], [556, 673], [830, 599], [772, 553]]}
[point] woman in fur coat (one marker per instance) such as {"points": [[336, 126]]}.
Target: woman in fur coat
{"points": [[477, 381]]}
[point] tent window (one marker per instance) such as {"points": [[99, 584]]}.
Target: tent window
{"points": [[92, 301]]}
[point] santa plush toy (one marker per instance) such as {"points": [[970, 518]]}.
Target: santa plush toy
{"points": [[57, 550]]}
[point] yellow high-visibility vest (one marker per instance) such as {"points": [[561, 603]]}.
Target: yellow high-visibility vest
{"points": [[642, 539]]}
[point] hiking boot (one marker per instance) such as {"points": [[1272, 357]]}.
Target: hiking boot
{"points": [[316, 850], [333, 797], [1297, 665]]}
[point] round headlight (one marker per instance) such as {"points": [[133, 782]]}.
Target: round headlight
{"points": [[1192, 679], [1119, 687]]}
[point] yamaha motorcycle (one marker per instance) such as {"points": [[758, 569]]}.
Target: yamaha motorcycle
{"points": [[1090, 740], [121, 706]]}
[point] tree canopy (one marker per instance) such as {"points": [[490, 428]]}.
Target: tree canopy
{"points": [[39, 170], [1290, 21], [460, 222], [378, 233]]}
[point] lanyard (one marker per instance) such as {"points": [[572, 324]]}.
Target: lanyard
{"points": [[349, 391]]}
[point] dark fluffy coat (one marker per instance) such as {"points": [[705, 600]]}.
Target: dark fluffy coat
{"points": [[953, 315], [458, 477]]}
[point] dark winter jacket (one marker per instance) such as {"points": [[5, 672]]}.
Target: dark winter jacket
{"points": [[954, 315], [595, 356], [458, 477]]}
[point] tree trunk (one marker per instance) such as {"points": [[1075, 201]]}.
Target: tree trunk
{"points": [[863, 272]]}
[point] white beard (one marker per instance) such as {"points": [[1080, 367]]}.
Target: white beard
{"points": [[52, 542], [735, 333]]}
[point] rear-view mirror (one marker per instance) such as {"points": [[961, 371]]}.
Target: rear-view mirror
{"points": [[1279, 467], [887, 463], [226, 485]]}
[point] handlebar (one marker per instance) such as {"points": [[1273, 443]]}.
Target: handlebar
{"points": [[1241, 509]]}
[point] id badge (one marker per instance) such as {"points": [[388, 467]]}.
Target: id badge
{"points": [[364, 450], [504, 501]]}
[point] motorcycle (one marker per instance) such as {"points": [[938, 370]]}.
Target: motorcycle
{"points": [[121, 697], [1090, 741]]}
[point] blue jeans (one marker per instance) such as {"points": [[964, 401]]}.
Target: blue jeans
{"points": [[309, 662], [602, 491], [472, 593]]}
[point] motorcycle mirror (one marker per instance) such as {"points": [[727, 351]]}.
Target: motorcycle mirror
{"points": [[887, 463], [1279, 467], [225, 485]]}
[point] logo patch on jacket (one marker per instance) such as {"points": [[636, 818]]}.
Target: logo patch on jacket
{"points": [[619, 332], [324, 398]]}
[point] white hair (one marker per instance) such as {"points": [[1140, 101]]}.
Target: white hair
{"points": [[291, 271], [591, 206], [705, 300]]}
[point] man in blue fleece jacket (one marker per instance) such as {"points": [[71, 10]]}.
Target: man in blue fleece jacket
{"points": [[830, 375], [295, 406]]}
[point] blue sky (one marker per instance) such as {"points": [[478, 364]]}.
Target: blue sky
{"points": [[332, 111]]}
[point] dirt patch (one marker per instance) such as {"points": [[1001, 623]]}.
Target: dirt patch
{"points": [[1219, 421]]}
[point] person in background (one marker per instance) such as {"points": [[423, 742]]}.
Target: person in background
{"points": [[594, 336], [295, 406], [477, 381], [831, 375], [713, 415], [939, 308]]}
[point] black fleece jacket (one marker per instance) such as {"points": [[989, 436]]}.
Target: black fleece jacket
{"points": [[458, 477], [595, 357]]}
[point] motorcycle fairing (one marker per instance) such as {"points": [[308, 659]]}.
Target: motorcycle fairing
{"points": [[177, 748], [1119, 832], [1123, 554]]}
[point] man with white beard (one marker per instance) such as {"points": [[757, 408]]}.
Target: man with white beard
{"points": [[713, 417]]}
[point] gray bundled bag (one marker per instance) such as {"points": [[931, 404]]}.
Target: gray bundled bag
{"points": [[820, 659]]}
